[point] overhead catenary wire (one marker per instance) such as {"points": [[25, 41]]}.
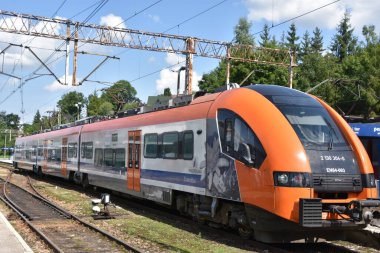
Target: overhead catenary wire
{"points": [[103, 2], [28, 42], [299, 16]]}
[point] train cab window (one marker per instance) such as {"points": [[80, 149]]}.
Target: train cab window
{"points": [[238, 140], [150, 145], [87, 149], [72, 150], [119, 158], [170, 145], [188, 145], [98, 157], [108, 157]]}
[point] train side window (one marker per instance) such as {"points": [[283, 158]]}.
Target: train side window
{"points": [[237, 138], [87, 149], [72, 150], [120, 158], [108, 157], [40, 150], [58, 155], [170, 145], [150, 145], [188, 145], [98, 157]]}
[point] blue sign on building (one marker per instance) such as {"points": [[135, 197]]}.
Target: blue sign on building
{"points": [[366, 130]]}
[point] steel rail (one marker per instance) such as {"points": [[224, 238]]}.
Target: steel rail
{"points": [[85, 223], [22, 215]]}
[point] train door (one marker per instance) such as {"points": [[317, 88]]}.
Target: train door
{"points": [[134, 150], [64, 158], [45, 154]]}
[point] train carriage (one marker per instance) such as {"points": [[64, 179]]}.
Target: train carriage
{"points": [[271, 162]]}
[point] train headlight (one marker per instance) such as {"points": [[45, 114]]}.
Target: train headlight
{"points": [[282, 179], [291, 179]]}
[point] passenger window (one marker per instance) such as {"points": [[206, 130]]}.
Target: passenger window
{"points": [[72, 150], [98, 157], [188, 145], [170, 145], [238, 140], [150, 145], [58, 154], [87, 149], [120, 158], [108, 157]]}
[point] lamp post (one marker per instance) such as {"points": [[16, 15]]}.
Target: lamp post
{"points": [[78, 106]]}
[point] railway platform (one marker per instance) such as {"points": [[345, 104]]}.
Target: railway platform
{"points": [[5, 161], [10, 240]]}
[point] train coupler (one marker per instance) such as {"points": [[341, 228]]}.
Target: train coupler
{"points": [[367, 211]]}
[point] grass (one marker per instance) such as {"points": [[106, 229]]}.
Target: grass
{"points": [[135, 227]]}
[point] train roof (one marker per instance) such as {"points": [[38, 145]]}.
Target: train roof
{"points": [[197, 109]]}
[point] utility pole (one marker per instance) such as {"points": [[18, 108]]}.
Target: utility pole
{"points": [[5, 143]]}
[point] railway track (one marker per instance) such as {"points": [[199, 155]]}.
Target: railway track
{"points": [[62, 231], [251, 245]]}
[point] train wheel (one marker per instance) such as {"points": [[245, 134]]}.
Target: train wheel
{"points": [[245, 233]]}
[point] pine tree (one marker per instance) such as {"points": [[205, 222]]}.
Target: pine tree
{"points": [[242, 34], [370, 35], [317, 41], [292, 39], [305, 45], [344, 42], [37, 118], [265, 36]]}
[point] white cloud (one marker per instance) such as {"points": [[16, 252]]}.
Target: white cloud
{"points": [[151, 59], [112, 20], [168, 79], [363, 12], [154, 18], [22, 56], [54, 86], [172, 58]]}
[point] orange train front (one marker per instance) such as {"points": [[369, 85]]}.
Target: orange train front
{"points": [[272, 162]]}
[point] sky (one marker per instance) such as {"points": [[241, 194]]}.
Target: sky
{"points": [[150, 72]]}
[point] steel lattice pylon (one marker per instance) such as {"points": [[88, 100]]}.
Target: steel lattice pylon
{"points": [[68, 30]]}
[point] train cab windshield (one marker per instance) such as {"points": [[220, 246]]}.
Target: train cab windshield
{"points": [[314, 127]]}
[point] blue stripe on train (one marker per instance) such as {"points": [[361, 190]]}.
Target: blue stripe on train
{"points": [[174, 177]]}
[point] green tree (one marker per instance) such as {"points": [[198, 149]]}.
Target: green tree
{"points": [[317, 41], [131, 105], [292, 39], [265, 36], [305, 45], [67, 106], [94, 102], [105, 109], [167, 92], [370, 35], [363, 72], [122, 92], [12, 121], [344, 42], [242, 33]]}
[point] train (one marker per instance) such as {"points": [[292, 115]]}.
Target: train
{"points": [[273, 163]]}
